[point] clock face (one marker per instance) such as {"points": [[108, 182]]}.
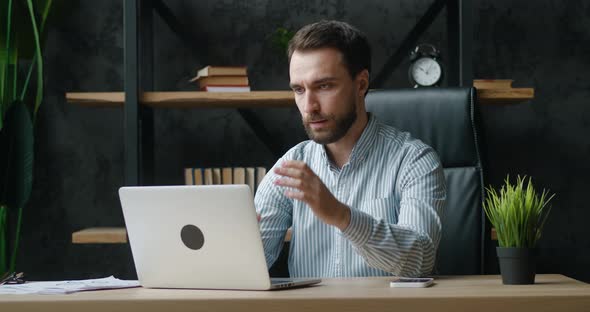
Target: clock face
{"points": [[426, 71]]}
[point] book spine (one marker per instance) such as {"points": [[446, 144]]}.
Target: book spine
{"points": [[251, 176], [251, 179], [188, 176], [198, 176], [239, 175], [226, 175], [260, 173], [216, 176], [208, 176]]}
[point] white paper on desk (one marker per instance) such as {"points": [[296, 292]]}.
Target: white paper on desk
{"points": [[66, 287]]}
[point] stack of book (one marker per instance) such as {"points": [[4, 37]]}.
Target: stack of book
{"points": [[222, 79], [228, 175]]}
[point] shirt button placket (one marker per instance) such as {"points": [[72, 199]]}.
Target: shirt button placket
{"points": [[337, 260], [337, 245], [343, 188]]}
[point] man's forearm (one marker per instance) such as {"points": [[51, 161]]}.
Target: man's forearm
{"points": [[342, 219], [397, 249]]}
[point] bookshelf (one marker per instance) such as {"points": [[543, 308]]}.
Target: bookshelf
{"points": [[139, 55], [254, 99]]}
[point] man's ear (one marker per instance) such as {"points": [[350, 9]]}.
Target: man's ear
{"points": [[362, 79]]}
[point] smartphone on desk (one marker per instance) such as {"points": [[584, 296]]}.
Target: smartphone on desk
{"points": [[415, 282]]}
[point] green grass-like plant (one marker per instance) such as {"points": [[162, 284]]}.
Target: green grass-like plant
{"points": [[518, 212], [21, 92], [280, 39]]}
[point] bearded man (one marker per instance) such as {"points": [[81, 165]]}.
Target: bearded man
{"points": [[362, 198]]}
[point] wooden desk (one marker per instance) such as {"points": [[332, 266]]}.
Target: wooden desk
{"points": [[466, 293]]}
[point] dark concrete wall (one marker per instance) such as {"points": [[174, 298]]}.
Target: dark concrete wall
{"points": [[79, 151]]}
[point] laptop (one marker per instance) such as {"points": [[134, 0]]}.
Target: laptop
{"points": [[204, 236]]}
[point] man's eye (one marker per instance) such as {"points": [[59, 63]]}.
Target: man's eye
{"points": [[298, 90], [325, 86]]}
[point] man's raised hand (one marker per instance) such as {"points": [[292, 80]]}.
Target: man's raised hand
{"points": [[309, 189]]}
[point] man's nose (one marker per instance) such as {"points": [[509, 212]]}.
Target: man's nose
{"points": [[310, 102]]}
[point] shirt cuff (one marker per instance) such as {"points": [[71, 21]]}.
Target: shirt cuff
{"points": [[360, 228]]}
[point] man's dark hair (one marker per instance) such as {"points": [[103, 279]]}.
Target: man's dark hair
{"points": [[351, 42]]}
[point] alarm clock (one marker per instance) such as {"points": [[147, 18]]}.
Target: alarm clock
{"points": [[425, 69]]}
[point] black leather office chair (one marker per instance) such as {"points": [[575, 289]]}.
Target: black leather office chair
{"points": [[447, 120]]}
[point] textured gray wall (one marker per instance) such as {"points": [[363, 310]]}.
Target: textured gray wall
{"points": [[79, 156], [544, 44]]}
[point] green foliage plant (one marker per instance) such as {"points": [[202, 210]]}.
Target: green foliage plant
{"points": [[21, 73], [518, 212], [280, 39]]}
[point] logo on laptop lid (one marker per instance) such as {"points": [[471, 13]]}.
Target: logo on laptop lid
{"points": [[192, 237]]}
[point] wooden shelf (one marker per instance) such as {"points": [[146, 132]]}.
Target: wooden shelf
{"points": [[501, 92], [100, 235], [113, 235], [188, 99], [504, 96], [254, 99]]}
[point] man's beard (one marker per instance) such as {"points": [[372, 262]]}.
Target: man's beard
{"points": [[327, 136]]}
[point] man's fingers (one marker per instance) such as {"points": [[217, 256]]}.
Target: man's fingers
{"points": [[297, 164], [297, 177], [288, 182], [289, 172], [295, 195]]}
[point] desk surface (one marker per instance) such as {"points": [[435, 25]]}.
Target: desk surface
{"points": [[457, 293]]}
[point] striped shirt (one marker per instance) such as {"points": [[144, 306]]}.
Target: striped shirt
{"points": [[395, 188]]}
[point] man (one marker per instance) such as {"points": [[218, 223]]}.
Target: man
{"points": [[362, 198]]}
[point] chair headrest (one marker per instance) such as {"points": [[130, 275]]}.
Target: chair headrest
{"points": [[443, 118]]}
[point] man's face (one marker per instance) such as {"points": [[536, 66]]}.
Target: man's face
{"points": [[326, 95]]}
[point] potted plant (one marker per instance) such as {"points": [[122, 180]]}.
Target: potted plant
{"points": [[21, 93], [518, 213]]}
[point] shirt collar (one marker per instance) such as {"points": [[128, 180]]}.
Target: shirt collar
{"points": [[364, 143]]}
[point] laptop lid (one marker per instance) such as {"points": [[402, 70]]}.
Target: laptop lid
{"points": [[223, 217], [195, 237]]}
